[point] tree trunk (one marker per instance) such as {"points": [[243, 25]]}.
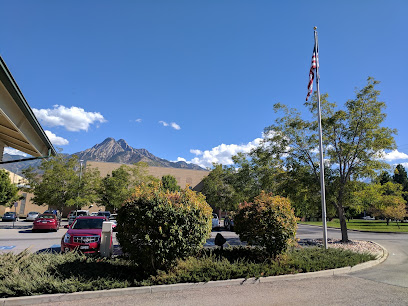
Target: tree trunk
{"points": [[343, 224]]}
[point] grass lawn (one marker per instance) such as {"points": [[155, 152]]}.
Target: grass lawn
{"points": [[366, 225]]}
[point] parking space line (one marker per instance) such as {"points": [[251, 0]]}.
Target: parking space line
{"points": [[7, 247]]}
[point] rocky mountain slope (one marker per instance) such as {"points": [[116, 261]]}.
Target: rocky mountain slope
{"points": [[119, 151], [109, 150]]}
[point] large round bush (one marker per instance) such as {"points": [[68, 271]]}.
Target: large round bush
{"points": [[156, 227], [269, 222]]}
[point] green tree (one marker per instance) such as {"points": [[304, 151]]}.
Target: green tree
{"points": [[384, 178], [383, 201], [219, 192], [400, 177], [114, 189], [8, 191], [353, 140], [57, 183], [169, 183]]}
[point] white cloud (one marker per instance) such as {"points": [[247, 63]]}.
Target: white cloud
{"points": [[181, 159], [74, 119], [221, 154], [393, 155], [138, 120], [13, 151], [56, 140], [175, 126], [196, 152], [172, 124]]}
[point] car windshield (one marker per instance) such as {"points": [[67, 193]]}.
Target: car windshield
{"points": [[46, 216], [33, 213], [88, 223], [9, 214]]}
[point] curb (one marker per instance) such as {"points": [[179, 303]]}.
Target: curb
{"points": [[62, 297], [358, 231]]}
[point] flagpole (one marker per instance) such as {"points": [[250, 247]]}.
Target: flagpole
{"points": [[322, 186]]}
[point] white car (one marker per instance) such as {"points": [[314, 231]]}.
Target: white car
{"points": [[368, 218], [32, 215], [215, 221]]}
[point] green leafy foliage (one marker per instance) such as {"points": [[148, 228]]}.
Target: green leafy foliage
{"points": [[353, 140], [117, 187], [8, 191], [169, 183], [269, 222], [219, 191], [31, 274], [156, 227], [59, 181], [384, 201]]}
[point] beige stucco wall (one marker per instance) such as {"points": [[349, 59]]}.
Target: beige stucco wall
{"points": [[184, 177]]}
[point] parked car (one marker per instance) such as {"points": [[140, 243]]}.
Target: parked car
{"points": [[9, 216], [368, 218], [112, 219], [84, 235], [229, 223], [55, 212], [106, 214], [32, 215], [47, 222], [76, 213], [215, 221], [95, 213]]}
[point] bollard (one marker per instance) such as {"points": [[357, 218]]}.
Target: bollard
{"points": [[106, 237]]}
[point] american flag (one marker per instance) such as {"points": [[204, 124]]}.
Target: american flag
{"points": [[315, 64]]}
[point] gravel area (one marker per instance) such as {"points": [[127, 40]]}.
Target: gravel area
{"points": [[358, 246]]}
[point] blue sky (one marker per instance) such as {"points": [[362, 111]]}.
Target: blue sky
{"points": [[197, 80]]}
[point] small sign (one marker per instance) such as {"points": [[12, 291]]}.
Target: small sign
{"points": [[7, 247], [15, 204]]}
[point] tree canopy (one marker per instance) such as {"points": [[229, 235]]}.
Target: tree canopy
{"points": [[59, 182], [8, 190], [354, 141]]}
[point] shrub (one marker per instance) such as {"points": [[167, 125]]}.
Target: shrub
{"points": [[156, 227], [269, 222]]}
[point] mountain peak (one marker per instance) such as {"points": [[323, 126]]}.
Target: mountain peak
{"points": [[119, 151], [124, 145], [109, 139]]}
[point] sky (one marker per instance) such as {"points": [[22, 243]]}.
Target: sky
{"points": [[197, 80]]}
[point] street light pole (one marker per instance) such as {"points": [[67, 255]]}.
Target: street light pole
{"points": [[80, 177]]}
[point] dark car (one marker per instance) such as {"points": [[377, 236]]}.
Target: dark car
{"points": [[48, 222], [106, 214], [9, 216], [229, 223], [84, 235]]}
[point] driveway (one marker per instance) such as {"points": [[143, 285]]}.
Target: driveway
{"points": [[393, 271]]}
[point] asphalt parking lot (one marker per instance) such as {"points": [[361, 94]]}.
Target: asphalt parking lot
{"points": [[20, 237]]}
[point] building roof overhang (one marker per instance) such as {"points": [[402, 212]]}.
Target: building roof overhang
{"points": [[19, 128]]}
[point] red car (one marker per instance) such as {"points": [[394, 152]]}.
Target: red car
{"points": [[47, 222], [84, 235]]}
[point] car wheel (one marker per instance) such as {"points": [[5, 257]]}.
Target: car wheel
{"points": [[33, 230]]}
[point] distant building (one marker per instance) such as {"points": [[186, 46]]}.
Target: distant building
{"points": [[184, 177]]}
